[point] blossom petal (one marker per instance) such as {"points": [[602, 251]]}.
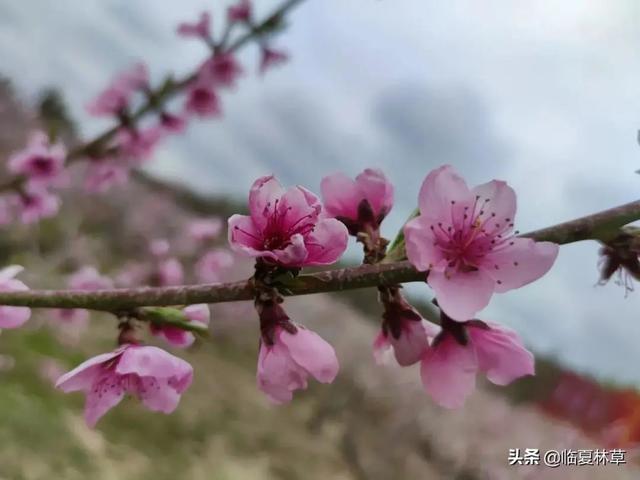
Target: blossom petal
{"points": [[448, 372], [341, 196], [501, 354], [278, 375], [158, 395], [10, 271], [198, 313], [294, 254], [105, 394], [441, 187], [376, 189], [420, 246], [502, 202], [381, 348], [245, 238], [174, 336], [462, 294], [84, 375], [262, 197], [148, 361], [412, 343], [327, 242], [521, 263], [313, 353]]}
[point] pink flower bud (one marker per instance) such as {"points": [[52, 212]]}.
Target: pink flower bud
{"points": [[205, 229], [35, 203], [88, 278], [240, 12], [221, 70], [403, 330], [289, 354], [169, 272], [202, 100], [150, 374], [271, 58], [41, 161], [200, 29], [178, 337], [159, 247], [360, 204], [212, 265], [172, 123], [115, 98]]}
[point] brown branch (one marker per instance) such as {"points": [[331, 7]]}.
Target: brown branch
{"points": [[120, 300]]}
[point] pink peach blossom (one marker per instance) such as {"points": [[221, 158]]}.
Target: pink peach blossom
{"points": [[463, 237], [88, 278], [221, 70], [85, 278], [361, 203], [200, 29], [240, 12], [114, 99], [169, 272], [154, 376], [285, 364], [450, 366], [287, 227], [12, 317], [75, 318], [178, 337], [40, 161], [210, 267], [202, 100], [102, 175], [159, 247], [133, 274], [271, 58], [173, 123], [135, 78], [138, 145], [205, 229], [35, 203], [403, 330]]}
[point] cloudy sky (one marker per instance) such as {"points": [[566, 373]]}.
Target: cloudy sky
{"points": [[541, 94]]}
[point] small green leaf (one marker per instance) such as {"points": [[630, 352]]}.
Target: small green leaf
{"points": [[170, 316]]}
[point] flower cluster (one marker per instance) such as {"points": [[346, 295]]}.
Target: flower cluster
{"points": [[463, 239], [40, 167]]}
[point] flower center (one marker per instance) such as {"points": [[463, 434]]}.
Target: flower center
{"points": [[472, 233], [279, 228], [42, 165]]}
